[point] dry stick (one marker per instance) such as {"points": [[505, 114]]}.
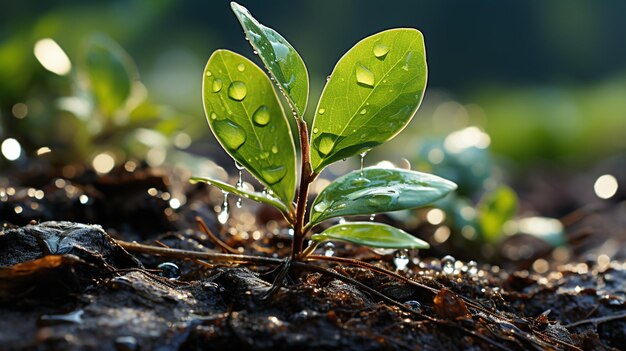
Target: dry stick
{"points": [[217, 241], [597, 321], [217, 257]]}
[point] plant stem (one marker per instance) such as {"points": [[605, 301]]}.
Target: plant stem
{"points": [[306, 177]]}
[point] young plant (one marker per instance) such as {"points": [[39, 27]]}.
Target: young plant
{"points": [[371, 95]]}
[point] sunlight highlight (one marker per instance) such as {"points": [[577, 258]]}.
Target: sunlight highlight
{"points": [[52, 57], [605, 186]]}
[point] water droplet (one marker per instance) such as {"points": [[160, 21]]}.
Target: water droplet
{"points": [[231, 134], [414, 305], [447, 264], [329, 249], [75, 317], [408, 59], [126, 343], [325, 145], [472, 267], [225, 212], [379, 198], [401, 259], [274, 174], [384, 252], [363, 111], [315, 130], [241, 67], [217, 85], [362, 155], [208, 73], [261, 116], [274, 149], [321, 111], [239, 183], [364, 76], [237, 90], [213, 115], [380, 50], [372, 216], [169, 270], [341, 220], [360, 181]]}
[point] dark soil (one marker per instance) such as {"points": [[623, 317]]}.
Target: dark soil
{"points": [[71, 286]]}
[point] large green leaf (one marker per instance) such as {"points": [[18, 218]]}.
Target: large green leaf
{"points": [[372, 94], [111, 73], [247, 119], [256, 196], [371, 234], [495, 209], [281, 59], [376, 190]]}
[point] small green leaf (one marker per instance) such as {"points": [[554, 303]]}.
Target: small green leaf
{"points": [[111, 73], [377, 190], [495, 209], [370, 234], [258, 197], [281, 59], [247, 119], [372, 94]]}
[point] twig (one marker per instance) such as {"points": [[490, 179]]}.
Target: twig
{"points": [[216, 257], [598, 320], [217, 241]]}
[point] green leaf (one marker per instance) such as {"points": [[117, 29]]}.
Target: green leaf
{"points": [[377, 190], [495, 209], [256, 196], [111, 73], [370, 234], [247, 119], [281, 59], [372, 94]]}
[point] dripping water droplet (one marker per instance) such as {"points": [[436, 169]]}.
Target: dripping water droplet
{"points": [[225, 213], [364, 76], [239, 184], [237, 90], [362, 155], [447, 264], [329, 249], [401, 259]]}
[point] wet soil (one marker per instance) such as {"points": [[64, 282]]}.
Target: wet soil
{"points": [[66, 284]]}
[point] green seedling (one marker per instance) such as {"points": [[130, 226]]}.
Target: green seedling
{"points": [[371, 95]]}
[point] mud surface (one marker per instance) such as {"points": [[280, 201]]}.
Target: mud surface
{"points": [[70, 286]]}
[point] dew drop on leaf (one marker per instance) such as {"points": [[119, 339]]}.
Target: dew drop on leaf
{"points": [[213, 115], [325, 145], [364, 76], [321, 111], [363, 111], [217, 85], [380, 50], [230, 133], [274, 149], [241, 67], [360, 181], [261, 116], [315, 130], [208, 73], [237, 90], [273, 175]]}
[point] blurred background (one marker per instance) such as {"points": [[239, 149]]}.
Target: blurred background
{"points": [[530, 94]]}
